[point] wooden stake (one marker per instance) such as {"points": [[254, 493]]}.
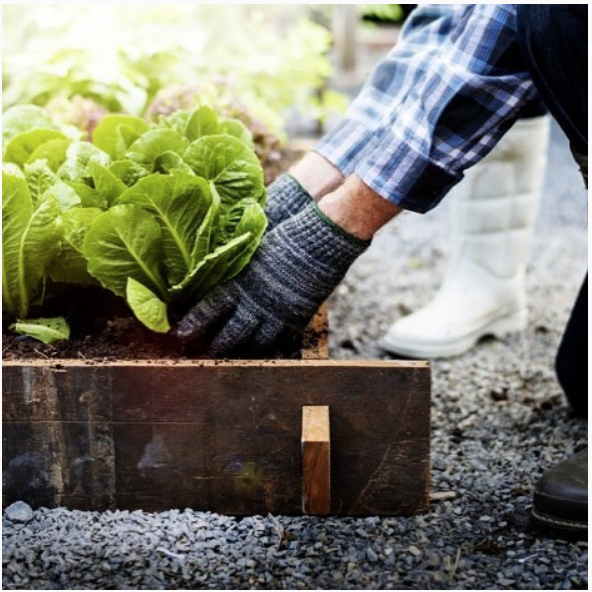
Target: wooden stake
{"points": [[316, 460]]}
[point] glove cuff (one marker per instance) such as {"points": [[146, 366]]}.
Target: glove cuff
{"points": [[319, 241], [285, 198], [316, 252]]}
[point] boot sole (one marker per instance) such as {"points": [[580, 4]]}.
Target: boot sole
{"points": [[559, 523], [499, 328]]}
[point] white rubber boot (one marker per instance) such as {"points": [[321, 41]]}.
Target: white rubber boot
{"points": [[492, 214]]}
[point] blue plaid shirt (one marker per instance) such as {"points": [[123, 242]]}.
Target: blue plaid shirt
{"points": [[436, 105]]}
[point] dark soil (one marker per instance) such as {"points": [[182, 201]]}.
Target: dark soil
{"points": [[104, 330]]}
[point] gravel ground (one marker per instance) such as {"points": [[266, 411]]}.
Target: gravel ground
{"points": [[499, 420]]}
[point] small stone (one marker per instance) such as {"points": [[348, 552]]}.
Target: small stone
{"points": [[19, 512]]}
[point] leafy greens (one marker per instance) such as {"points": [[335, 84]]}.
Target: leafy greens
{"points": [[158, 214]]}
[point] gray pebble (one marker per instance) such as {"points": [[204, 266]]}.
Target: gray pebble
{"points": [[19, 512]]}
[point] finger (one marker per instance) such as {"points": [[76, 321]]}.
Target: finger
{"points": [[234, 335], [205, 316]]}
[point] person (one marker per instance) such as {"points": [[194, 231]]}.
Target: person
{"points": [[404, 146]]}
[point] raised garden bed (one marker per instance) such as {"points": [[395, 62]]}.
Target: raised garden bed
{"points": [[118, 417], [218, 435]]}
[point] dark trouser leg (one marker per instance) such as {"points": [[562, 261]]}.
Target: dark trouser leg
{"points": [[553, 39], [561, 495], [572, 358], [554, 43]]}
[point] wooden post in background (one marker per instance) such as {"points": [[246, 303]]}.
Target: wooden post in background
{"points": [[316, 460], [345, 25]]}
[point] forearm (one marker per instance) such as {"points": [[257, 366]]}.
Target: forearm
{"points": [[317, 175], [350, 204], [357, 209]]}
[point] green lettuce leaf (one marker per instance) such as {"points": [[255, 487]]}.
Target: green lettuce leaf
{"points": [[237, 129], [24, 118], [116, 133], [64, 196], [106, 183], [89, 197], [169, 161], [126, 242], [205, 235], [46, 330], [148, 147], [202, 122], [211, 269], [12, 170], [71, 266], [147, 306], [128, 172], [54, 152], [39, 178], [79, 158], [247, 217], [21, 147], [30, 240], [224, 245], [179, 202], [234, 169], [176, 121]]}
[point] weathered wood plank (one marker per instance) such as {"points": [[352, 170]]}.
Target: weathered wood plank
{"points": [[316, 460], [213, 435]]}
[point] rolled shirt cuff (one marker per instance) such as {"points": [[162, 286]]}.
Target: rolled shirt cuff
{"points": [[403, 176]]}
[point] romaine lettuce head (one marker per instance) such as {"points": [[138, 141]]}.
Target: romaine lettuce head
{"points": [[158, 214], [31, 235]]}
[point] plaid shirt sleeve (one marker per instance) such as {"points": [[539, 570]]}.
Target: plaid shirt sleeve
{"points": [[437, 104]]}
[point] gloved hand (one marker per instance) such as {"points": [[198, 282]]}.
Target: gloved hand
{"points": [[285, 197], [273, 299]]}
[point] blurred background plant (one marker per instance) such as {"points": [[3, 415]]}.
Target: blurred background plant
{"points": [[81, 60], [384, 14], [276, 67]]}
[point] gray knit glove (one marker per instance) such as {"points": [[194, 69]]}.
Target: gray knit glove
{"points": [[285, 197], [265, 309]]}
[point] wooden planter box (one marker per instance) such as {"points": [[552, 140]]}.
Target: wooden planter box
{"points": [[221, 436]]}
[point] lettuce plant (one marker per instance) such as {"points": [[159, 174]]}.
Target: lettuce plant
{"points": [[30, 241], [159, 214]]}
